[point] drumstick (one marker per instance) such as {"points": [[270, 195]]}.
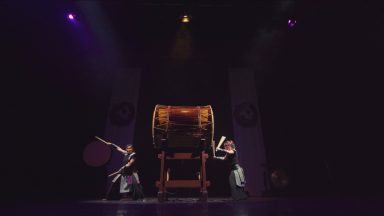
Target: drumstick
{"points": [[221, 142], [115, 173], [101, 140], [106, 142]]}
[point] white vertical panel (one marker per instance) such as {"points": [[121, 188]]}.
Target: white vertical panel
{"points": [[125, 91], [247, 128]]}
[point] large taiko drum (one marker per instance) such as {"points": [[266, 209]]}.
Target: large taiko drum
{"points": [[182, 127]]}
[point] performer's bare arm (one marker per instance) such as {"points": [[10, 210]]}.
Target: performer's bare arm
{"points": [[226, 151], [117, 148], [121, 150], [220, 158], [122, 168], [130, 163], [127, 165], [112, 144]]}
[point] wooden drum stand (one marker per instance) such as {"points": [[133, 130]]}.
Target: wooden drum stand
{"points": [[165, 183]]}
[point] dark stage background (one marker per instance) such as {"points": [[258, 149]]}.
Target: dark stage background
{"points": [[320, 89]]}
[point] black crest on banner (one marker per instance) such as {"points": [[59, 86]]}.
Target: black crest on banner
{"points": [[121, 114], [245, 114]]}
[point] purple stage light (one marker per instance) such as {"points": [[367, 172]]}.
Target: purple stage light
{"points": [[71, 16], [291, 23]]}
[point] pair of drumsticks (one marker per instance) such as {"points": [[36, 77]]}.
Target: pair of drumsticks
{"points": [[109, 143], [218, 146]]}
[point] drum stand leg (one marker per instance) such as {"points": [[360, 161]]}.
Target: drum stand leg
{"points": [[204, 192], [161, 194]]}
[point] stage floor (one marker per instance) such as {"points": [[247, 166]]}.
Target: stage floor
{"points": [[213, 207]]}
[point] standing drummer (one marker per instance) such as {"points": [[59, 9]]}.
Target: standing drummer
{"points": [[236, 176], [129, 180]]}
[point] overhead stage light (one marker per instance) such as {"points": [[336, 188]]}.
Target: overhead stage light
{"points": [[185, 19], [291, 23], [71, 16]]}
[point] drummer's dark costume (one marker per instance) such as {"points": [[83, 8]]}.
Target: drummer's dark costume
{"points": [[129, 181], [236, 177]]}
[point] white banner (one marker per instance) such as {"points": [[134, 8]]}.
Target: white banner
{"points": [[122, 112], [247, 128]]}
